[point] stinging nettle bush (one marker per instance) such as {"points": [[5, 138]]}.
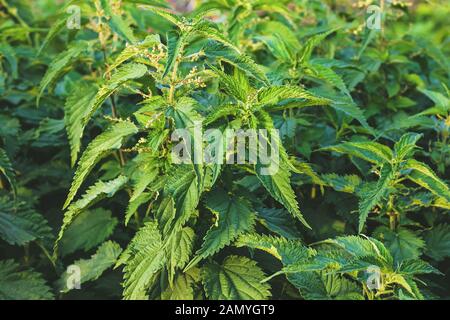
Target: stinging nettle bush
{"points": [[94, 205]]}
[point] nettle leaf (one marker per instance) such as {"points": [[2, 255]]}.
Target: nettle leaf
{"points": [[19, 284], [95, 193], [178, 250], [91, 269], [271, 96], [222, 52], [237, 278], [7, 170], [95, 226], [9, 54], [183, 187], [123, 74], [234, 216], [374, 196], [183, 286], [424, 176], [405, 146], [20, 224], [118, 24], [134, 50], [438, 242], [346, 183], [306, 51], [279, 187], [328, 75], [402, 243], [278, 221], [102, 145], [59, 65], [175, 44], [373, 152], [77, 107], [143, 258], [323, 286]]}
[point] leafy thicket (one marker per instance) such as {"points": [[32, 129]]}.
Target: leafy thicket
{"points": [[87, 177]]}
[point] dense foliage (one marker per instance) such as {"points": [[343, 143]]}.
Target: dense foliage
{"points": [[87, 177]]}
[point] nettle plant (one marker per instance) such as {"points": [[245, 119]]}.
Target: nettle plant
{"points": [[372, 226]]}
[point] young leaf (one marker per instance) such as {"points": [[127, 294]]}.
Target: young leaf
{"points": [[234, 217], [104, 143], [7, 170]]}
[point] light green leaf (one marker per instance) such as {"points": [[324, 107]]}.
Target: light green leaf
{"points": [[102, 145], [91, 269], [234, 216], [238, 278]]}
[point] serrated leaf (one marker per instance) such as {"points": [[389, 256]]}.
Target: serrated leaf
{"points": [[94, 194], [374, 196], [143, 257], [20, 224], [19, 284], [58, 66], [373, 152], [424, 176], [403, 243], [77, 107], [87, 230], [238, 278], [91, 269], [438, 242], [103, 144], [234, 216]]}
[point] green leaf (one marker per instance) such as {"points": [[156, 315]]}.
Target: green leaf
{"points": [[101, 146], [20, 224], [374, 196], [19, 284], [175, 44], [278, 221], [178, 250], [87, 230], [438, 242], [125, 73], [346, 183], [238, 278], [59, 65], [94, 194], [91, 269], [279, 187], [373, 152], [7, 170], [214, 49], [425, 177], [403, 243], [271, 96], [143, 258], [135, 50], [234, 216], [183, 187], [7, 52], [405, 146], [183, 286], [77, 107], [118, 24]]}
